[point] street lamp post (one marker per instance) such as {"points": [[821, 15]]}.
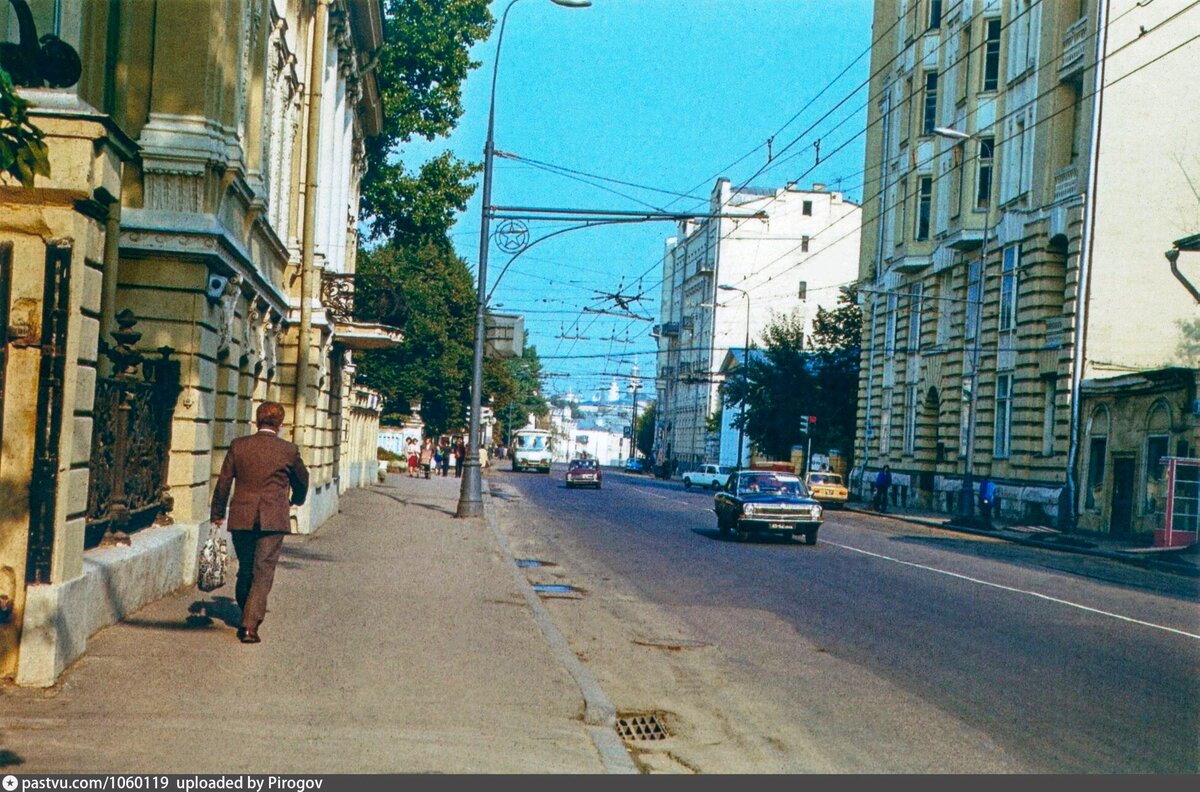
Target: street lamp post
{"points": [[966, 495], [634, 387], [745, 372], [470, 499]]}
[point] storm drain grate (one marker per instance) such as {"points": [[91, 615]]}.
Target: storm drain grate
{"points": [[640, 727]]}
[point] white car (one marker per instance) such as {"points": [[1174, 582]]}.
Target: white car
{"points": [[711, 476]]}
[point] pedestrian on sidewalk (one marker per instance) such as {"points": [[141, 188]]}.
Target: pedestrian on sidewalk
{"points": [[987, 500], [883, 481], [411, 453], [460, 454], [266, 467], [446, 455], [426, 456]]}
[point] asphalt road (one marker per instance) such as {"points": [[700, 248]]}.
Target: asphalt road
{"points": [[887, 647]]}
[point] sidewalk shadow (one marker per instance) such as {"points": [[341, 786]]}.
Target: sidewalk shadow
{"points": [[202, 613], [426, 506], [10, 759]]}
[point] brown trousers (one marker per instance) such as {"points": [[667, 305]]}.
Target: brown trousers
{"points": [[257, 554]]}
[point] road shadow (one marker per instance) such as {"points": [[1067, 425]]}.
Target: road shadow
{"points": [[1091, 567], [10, 759], [758, 539]]}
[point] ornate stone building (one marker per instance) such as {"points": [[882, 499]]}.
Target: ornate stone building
{"points": [[1012, 254], [164, 281]]}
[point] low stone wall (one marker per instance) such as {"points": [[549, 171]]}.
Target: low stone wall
{"points": [[116, 581]]}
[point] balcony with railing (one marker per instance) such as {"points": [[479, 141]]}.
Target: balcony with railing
{"points": [[366, 311], [1066, 183], [1074, 51], [670, 329]]}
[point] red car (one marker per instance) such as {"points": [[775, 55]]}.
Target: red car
{"points": [[583, 473]]}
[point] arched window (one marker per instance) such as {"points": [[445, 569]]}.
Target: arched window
{"points": [[1098, 429], [1158, 444]]}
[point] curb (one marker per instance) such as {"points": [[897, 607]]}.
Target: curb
{"points": [[1186, 569], [599, 713]]}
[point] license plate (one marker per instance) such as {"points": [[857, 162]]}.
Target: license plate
{"points": [[781, 526]]}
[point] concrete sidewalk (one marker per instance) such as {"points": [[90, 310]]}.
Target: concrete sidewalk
{"points": [[398, 640], [1183, 561]]}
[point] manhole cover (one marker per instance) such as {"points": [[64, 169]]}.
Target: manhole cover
{"points": [[640, 727], [556, 589], [532, 562]]}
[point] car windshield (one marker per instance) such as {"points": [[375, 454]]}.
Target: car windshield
{"points": [[773, 484], [531, 442], [581, 464], [827, 478]]}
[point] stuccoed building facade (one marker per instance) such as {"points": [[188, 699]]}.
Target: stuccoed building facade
{"points": [[790, 260], [154, 287], [1013, 255]]}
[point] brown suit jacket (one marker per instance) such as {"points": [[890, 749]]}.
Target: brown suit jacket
{"points": [[266, 468]]}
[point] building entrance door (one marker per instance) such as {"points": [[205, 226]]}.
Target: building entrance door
{"points": [[1121, 520]]}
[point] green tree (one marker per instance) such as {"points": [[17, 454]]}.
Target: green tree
{"points": [[513, 385], [645, 429], [420, 70], [791, 377], [23, 153], [433, 364]]}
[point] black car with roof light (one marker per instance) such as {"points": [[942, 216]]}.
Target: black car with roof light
{"points": [[761, 501]]}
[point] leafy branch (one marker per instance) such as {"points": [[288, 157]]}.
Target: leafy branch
{"points": [[23, 153]]}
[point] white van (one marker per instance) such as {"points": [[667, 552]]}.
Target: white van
{"points": [[532, 449]]}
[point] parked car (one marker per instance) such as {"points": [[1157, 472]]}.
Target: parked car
{"points": [[634, 465], [756, 501], [712, 476], [583, 473], [827, 488]]}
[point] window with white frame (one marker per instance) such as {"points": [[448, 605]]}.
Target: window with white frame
{"points": [[944, 306], [935, 14], [971, 315], [983, 172], [910, 419], [889, 336], [803, 244], [1049, 398], [914, 317], [1002, 437], [1008, 288], [885, 423], [963, 74], [991, 54], [929, 115], [964, 423], [924, 203]]}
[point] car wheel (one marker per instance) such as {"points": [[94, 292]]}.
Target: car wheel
{"points": [[687, 482], [810, 538], [740, 534], [722, 525], [713, 485]]}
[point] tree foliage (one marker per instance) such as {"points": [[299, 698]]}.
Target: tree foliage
{"points": [[420, 71], [645, 429], [433, 364], [514, 387], [23, 153], [790, 378]]}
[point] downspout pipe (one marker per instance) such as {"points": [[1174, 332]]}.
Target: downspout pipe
{"points": [[882, 221], [316, 76], [1068, 499]]}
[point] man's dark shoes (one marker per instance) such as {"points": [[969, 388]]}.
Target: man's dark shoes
{"points": [[248, 636]]}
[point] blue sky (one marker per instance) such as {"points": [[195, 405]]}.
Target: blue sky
{"points": [[667, 94]]}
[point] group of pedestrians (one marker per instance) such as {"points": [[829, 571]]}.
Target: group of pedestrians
{"points": [[430, 459], [987, 495]]}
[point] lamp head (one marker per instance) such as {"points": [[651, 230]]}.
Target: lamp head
{"points": [[727, 287], [951, 133], [572, 3]]}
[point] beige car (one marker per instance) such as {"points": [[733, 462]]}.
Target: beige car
{"points": [[828, 488]]}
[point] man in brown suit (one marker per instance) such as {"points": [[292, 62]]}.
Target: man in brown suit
{"points": [[266, 467]]}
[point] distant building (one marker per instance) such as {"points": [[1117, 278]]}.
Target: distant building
{"points": [[1024, 178], [791, 262]]}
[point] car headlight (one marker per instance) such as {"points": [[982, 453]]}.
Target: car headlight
{"points": [[816, 512], [748, 510]]}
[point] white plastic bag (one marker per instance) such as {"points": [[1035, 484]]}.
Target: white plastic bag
{"points": [[214, 560]]}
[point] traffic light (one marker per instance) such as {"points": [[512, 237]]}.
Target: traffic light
{"points": [[807, 424]]}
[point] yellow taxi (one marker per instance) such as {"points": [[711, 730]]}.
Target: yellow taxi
{"points": [[827, 488]]}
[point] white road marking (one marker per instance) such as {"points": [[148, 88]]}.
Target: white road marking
{"points": [[1015, 590]]}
